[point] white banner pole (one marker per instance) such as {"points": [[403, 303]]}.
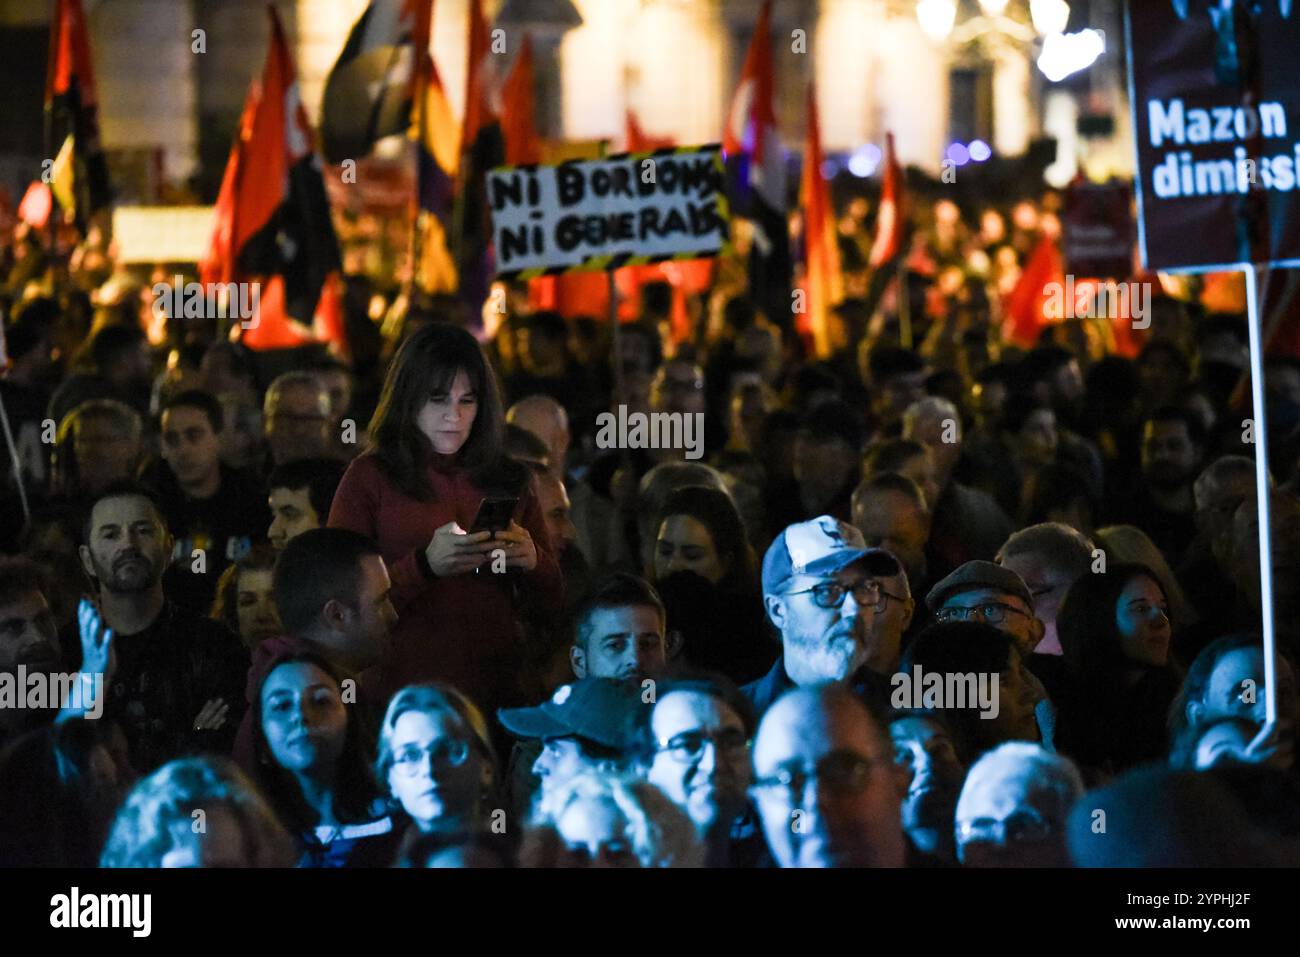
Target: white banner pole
{"points": [[1262, 490]]}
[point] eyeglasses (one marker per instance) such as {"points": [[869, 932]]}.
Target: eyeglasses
{"points": [[1022, 827], [840, 772], [993, 612], [688, 746], [446, 752], [831, 594]]}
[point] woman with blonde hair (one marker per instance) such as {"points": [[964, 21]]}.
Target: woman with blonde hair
{"points": [[436, 760], [157, 825], [610, 820]]}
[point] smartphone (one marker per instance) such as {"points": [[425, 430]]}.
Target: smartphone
{"points": [[494, 514]]}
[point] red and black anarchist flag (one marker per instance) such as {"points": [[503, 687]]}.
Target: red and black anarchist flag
{"points": [[272, 215], [80, 171]]}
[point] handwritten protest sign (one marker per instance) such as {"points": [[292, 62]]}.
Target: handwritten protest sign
{"points": [[602, 214]]}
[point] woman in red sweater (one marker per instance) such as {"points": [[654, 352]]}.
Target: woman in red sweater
{"points": [[435, 453]]}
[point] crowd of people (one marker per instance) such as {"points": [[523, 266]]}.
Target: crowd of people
{"points": [[927, 605]]}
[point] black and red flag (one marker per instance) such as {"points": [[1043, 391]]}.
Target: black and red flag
{"points": [[272, 215], [80, 171]]}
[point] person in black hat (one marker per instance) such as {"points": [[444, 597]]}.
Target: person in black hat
{"points": [[995, 595], [589, 724]]}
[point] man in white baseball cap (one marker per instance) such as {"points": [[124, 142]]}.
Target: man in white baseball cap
{"points": [[822, 589]]}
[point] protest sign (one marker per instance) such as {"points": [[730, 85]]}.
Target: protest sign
{"points": [[1097, 230], [602, 214], [1215, 91]]}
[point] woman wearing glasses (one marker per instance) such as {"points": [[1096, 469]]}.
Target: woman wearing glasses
{"points": [[1117, 638], [437, 762]]}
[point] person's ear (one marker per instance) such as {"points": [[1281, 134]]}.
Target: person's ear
{"points": [[336, 614], [83, 552], [1194, 711], [578, 661], [1038, 628], [776, 610], [673, 644], [909, 609]]}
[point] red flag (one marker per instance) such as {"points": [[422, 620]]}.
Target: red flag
{"points": [[272, 221], [891, 219], [636, 141], [34, 210], [823, 282], [479, 110], [219, 263], [523, 145], [756, 173], [1026, 306]]}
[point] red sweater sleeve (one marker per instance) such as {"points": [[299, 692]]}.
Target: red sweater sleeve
{"points": [[544, 584], [356, 506]]}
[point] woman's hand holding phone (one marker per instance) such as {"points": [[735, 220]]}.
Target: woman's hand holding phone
{"points": [[518, 546], [453, 551]]}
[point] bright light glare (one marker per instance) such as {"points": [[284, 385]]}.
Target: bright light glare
{"points": [[1066, 53], [1049, 16], [936, 18]]}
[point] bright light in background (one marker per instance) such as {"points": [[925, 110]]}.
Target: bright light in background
{"points": [[936, 18], [1049, 16], [980, 151], [1066, 53], [994, 8], [959, 154], [864, 160]]}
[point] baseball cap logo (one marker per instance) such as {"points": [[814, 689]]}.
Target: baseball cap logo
{"points": [[809, 541]]}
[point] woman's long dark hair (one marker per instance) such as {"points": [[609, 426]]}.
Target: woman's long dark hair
{"points": [[1088, 629], [427, 363], [355, 788], [715, 511], [1096, 724]]}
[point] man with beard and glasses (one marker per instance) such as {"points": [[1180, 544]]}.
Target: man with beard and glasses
{"points": [[179, 683], [822, 590], [1163, 504]]}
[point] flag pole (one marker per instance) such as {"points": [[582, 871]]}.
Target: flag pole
{"points": [[904, 304], [1262, 491]]}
